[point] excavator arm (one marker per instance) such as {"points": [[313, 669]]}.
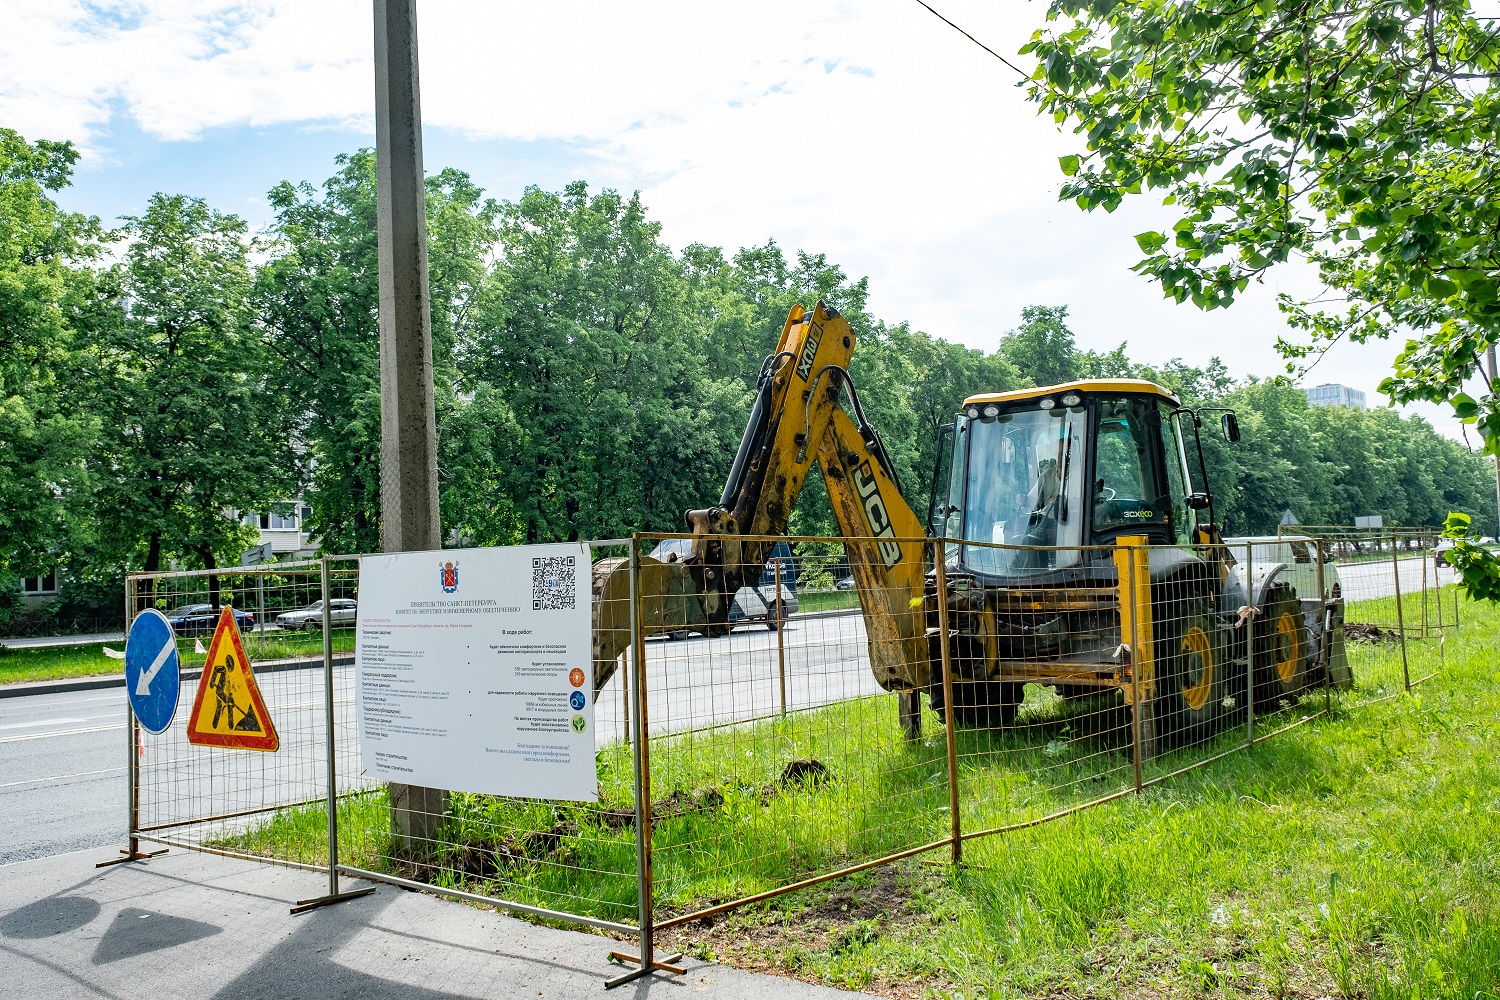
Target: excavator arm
{"points": [[795, 421]]}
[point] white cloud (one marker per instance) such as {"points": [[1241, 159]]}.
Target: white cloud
{"points": [[872, 132]]}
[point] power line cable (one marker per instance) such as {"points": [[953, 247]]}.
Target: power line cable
{"points": [[1024, 75]]}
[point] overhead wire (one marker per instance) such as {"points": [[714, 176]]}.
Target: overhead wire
{"points": [[961, 31]]}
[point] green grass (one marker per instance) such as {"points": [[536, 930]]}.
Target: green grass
{"points": [[19, 666], [827, 600], [1354, 856]]}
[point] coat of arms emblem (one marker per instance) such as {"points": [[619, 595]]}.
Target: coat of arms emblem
{"points": [[449, 573]]}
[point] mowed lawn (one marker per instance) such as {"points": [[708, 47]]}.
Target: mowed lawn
{"points": [[1353, 857], [1356, 856]]}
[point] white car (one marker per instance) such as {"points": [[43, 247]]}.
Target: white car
{"points": [[342, 612]]}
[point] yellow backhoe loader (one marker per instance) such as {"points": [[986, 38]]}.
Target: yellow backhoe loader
{"points": [[1077, 549]]}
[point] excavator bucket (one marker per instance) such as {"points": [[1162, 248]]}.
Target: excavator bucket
{"points": [[668, 602]]}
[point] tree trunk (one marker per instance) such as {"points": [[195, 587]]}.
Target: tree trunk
{"points": [[207, 555]]}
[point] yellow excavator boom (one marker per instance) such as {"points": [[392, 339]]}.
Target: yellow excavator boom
{"points": [[795, 421]]}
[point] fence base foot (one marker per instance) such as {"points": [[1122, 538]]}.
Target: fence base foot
{"points": [[129, 854], [303, 905], [657, 965]]}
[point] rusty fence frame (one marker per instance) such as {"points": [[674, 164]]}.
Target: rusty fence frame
{"points": [[1131, 558]]}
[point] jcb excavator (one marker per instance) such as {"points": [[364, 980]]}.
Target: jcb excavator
{"points": [[1076, 550]]}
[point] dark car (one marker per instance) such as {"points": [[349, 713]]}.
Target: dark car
{"points": [[752, 605], [201, 619]]}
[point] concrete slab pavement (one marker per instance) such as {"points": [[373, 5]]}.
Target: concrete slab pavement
{"points": [[193, 926]]}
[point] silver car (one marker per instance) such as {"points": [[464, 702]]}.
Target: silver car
{"points": [[342, 612]]}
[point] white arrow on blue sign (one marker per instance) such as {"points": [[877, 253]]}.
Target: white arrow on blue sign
{"points": [[152, 670]]}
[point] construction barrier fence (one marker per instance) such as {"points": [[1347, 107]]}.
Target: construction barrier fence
{"points": [[799, 740]]}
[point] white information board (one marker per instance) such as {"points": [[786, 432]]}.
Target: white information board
{"points": [[474, 670]]}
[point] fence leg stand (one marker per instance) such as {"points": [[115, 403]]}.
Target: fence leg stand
{"points": [[132, 851], [333, 895], [949, 725], [1400, 618], [646, 960]]}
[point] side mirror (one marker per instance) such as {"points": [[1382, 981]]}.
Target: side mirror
{"points": [[1230, 425], [1197, 501]]}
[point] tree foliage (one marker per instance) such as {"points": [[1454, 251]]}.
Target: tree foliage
{"points": [[589, 380], [1360, 136]]}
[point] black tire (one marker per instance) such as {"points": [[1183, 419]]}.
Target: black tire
{"points": [[1191, 681], [1282, 650]]}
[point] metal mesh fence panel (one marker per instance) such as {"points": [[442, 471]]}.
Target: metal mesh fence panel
{"points": [[565, 859], [775, 755], [208, 796]]}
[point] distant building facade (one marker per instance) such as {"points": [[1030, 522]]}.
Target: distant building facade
{"points": [[1333, 394], [285, 528]]}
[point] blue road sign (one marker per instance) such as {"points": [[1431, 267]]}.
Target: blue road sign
{"points": [[152, 670]]}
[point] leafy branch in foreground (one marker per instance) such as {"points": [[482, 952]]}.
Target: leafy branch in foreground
{"points": [[1359, 135], [1478, 568]]}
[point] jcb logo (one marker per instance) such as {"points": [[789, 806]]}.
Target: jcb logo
{"points": [[809, 351], [875, 513]]}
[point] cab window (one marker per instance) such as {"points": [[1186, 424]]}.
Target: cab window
{"points": [[1126, 494]]}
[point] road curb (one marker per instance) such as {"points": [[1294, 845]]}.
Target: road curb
{"points": [[69, 684]]}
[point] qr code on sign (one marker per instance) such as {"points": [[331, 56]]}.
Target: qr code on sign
{"points": [[553, 587]]}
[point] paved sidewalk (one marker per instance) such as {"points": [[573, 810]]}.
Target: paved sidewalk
{"points": [[192, 926]]}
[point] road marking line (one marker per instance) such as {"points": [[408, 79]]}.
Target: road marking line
{"points": [[42, 722], [62, 777], [63, 732]]}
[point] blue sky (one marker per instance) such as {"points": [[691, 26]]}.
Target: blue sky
{"points": [[870, 132]]}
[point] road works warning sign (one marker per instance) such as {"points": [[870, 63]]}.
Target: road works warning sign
{"points": [[228, 710], [473, 668]]}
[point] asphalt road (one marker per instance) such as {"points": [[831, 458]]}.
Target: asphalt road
{"points": [[62, 756], [62, 773], [1365, 580]]}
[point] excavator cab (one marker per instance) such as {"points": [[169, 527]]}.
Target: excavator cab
{"points": [[1055, 469]]}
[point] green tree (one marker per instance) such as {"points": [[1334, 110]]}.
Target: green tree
{"points": [[193, 429], [1042, 346], [44, 284], [1361, 136]]}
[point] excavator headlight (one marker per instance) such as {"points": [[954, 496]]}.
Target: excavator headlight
{"points": [[973, 412], [1072, 399], [992, 410], [1047, 404]]}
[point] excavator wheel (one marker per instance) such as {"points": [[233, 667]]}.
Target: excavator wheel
{"points": [[1282, 650], [1191, 669]]}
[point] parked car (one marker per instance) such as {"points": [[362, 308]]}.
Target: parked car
{"points": [[342, 612], [752, 605], [202, 619], [844, 582]]}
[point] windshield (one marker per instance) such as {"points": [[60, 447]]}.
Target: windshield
{"points": [[1025, 487], [187, 609]]}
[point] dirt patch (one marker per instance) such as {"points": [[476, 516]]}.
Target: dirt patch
{"points": [[836, 917], [1359, 632]]}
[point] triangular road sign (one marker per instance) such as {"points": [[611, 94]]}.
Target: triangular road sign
{"points": [[228, 710]]}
